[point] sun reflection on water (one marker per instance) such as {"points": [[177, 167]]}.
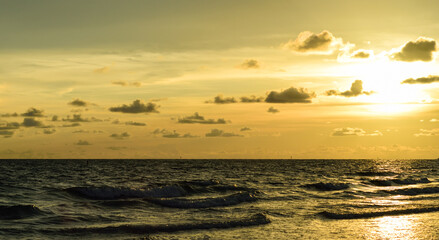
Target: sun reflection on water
{"points": [[395, 227]]}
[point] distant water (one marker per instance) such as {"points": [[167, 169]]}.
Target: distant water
{"points": [[219, 199]]}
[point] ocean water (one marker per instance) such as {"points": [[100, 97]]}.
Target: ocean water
{"points": [[219, 199]]}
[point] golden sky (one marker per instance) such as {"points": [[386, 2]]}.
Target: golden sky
{"points": [[219, 79]]}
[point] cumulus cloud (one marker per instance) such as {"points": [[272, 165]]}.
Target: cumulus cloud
{"points": [[422, 80], [33, 112], [9, 126], [427, 132], [361, 54], [172, 134], [308, 42], [290, 95], [420, 50], [76, 118], [136, 107], [272, 110], [120, 136], [251, 99], [220, 133], [356, 90], [197, 118], [78, 103], [83, 143], [245, 129], [250, 64], [135, 123], [54, 118], [341, 132], [125, 83], [31, 122]]}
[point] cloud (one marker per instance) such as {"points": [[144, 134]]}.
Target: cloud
{"points": [[434, 120], [120, 136], [135, 123], [54, 118], [49, 131], [83, 143], [427, 133], [31, 122], [125, 83], [172, 134], [6, 134], [223, 100], [251, 99], [420, 50], [76, 118], [9, 126], [101, 70], [422, 80], [290, 95], [136, 107], [341, 132], [220, 133], [361, 54], [33, 112], [9, 115], [250, 64], [245, 129], [356, 90], [308, 42], [272, 110], [71, 125], [78, 103], [197, 118]]}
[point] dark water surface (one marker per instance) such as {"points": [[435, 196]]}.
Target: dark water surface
{"points": [[219, 199]]}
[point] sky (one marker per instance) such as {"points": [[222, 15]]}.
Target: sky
{"points": [[219, 79]]}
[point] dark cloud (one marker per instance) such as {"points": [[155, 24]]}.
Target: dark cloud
{"points": [[9, 115], [290, 95], [120, 136], [220, 133], [83, 143], [125, 83], [49, 131], [251, 99], [54, 118], [342, 132], [31, 122], [33, 112], [6, 133], [172, 134], [78, 103], [420, 50], [360, 54], [76, 118], [311, 42], [356, 90], [9, 126], [223, 100], [249, 64], [135, 123], [136, 107], [272, 110], [71, 125], [197, 118], [245, 129], [422, 80]]}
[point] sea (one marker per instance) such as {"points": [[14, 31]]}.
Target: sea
{"points": [[219, 199]]}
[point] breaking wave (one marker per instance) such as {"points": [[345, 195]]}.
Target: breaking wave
{"points": [[229, 200]]}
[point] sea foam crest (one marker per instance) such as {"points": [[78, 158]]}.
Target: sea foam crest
{"points": [[229, 200], [109, 193]]}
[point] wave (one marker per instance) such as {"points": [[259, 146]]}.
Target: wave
{"points": [[257, 219], [18, 211], [333, 215], [229, 200], [412, 191], [110, 193], [373, 173], [327, 186], [406, 181]]}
